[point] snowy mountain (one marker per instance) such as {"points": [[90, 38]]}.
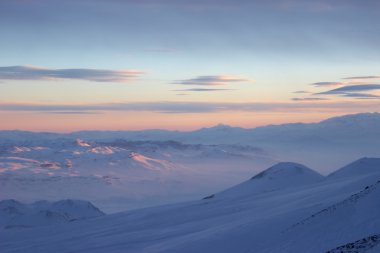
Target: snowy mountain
{"points": [[14, 214], [278, 177], [337, 140], [319, 216], [361, 167], [118, 170], [357, 127]]}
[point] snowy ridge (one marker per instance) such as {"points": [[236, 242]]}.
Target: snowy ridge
{"points": [[345, 221], [350, 200], [363, 166], [360, 246]]}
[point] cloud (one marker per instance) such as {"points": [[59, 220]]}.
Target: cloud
{"points": [[354, 91], [193, 107], [213, 80], [322, 84], [38, 73], [301, 92], [361, 95], [72, 112], [361, 77], [351, 88], [309, 99], [203, 89]]}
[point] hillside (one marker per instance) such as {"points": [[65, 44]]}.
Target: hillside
{"points": [[278, 177], [314, 217]]}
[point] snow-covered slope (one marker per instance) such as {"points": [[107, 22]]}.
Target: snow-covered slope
{"points": [[340, 223], [314, 217], [361, 167], [278, 177], [14, 214]]}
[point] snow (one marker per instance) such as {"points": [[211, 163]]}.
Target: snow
{"points": [[100, 166], [313, 217], [345, 221], [324, 146], [82, 143], [285, 208], [278, 177], [363, 166], [14, 214]]}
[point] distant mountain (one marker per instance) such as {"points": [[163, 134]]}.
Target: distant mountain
{"points": [[356, 121], [162, 166], [344, 129], [361, 125], [278, 177], [14, 214], [122, 174]]}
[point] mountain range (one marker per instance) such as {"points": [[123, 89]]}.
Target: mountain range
{"points": [[119, 170]]}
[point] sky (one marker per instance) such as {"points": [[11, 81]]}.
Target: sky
{"points": [[175, 64]]}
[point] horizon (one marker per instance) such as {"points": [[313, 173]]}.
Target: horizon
{"points": [[75, 65], [189, 130]]}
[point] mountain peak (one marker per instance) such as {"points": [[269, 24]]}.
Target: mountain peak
{"points": [[221, 127], [284, 169], [280, 176]]}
